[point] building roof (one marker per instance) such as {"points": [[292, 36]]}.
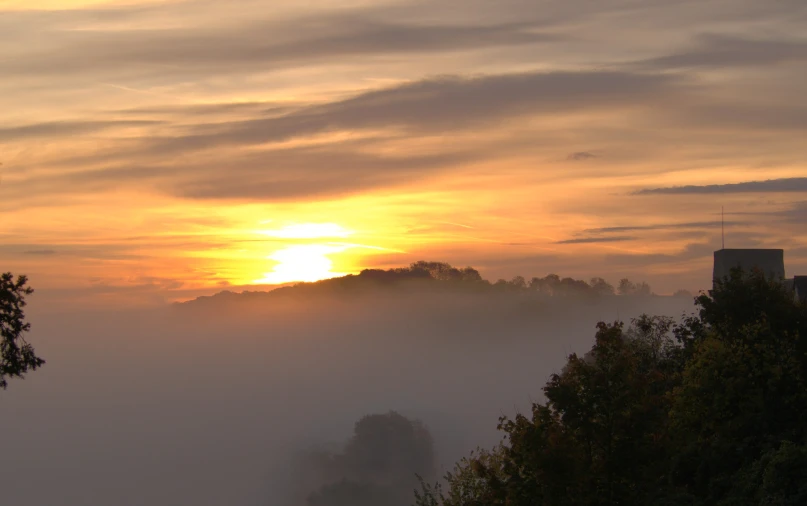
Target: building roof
{"points": [[770, 261]]}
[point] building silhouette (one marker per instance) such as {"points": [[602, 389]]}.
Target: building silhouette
{"points": [[770, 261]]}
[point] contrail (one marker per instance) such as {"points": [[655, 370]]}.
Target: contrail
{"points": [[455, 224], [145, 92]]}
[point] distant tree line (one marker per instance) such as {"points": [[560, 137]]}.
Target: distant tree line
{"points": [[554, 285], [708, 411], [441, 276], [550, 285]]}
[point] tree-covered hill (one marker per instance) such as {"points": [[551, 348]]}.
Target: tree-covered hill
{"points": [[435, 277]]}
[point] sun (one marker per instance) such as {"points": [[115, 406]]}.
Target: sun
{"points": [[301, 259], [307, 262], [306, 250]]}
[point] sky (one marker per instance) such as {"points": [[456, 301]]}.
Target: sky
{"points": [[155, 151]]}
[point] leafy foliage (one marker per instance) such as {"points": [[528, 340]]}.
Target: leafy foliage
{"points": [[17, 356], [709, 411], [475, 481]]}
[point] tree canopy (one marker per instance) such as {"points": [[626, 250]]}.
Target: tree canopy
{"points": [[17, 356], [378, 465], [708, 411]]}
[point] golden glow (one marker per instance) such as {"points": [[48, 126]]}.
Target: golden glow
{"points": [[308, 231], [99, 189], [302, 263]]}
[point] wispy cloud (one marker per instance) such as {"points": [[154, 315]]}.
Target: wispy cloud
{"points": [[66, 128], [449, 105], [690, 252], [796, 212], [591, 240], [793, 184], [663, 226], [441, 104], [716, 50], [581, 155], [40, 252], [270, 43]]}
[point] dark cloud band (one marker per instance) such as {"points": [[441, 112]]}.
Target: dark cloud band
{"points": [[784, 185]]}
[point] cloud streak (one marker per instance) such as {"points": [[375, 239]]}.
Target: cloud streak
{"points": [[595, 240], [451, 104], [441, 104], [716, 51], [581, 155], [270, 44], [663, 226], [40, 252], [66, 128], [783, 185]]}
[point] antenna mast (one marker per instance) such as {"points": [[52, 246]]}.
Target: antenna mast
{"points": [[722, 230]]}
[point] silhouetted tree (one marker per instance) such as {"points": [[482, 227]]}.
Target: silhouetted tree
{"points": [[444, 272], [601, 287], [552, 280], [708, 412], [379, 465], [17, 356], [642, 289], [744, 390], [598, 439], [627, 287], [389, 446], [546, 285], [571, 287], [474, 481], [518, 282]]}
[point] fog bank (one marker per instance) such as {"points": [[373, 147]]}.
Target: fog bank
{"points": [[209, 403]]}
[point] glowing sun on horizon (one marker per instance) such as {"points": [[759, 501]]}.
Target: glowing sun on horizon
{"points": [[308, 262], [304, 262]]}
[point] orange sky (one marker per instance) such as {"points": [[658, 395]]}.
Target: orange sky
{"points": [[152, 151]]}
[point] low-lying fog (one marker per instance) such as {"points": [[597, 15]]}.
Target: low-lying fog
{"points": [[210, 403]]}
